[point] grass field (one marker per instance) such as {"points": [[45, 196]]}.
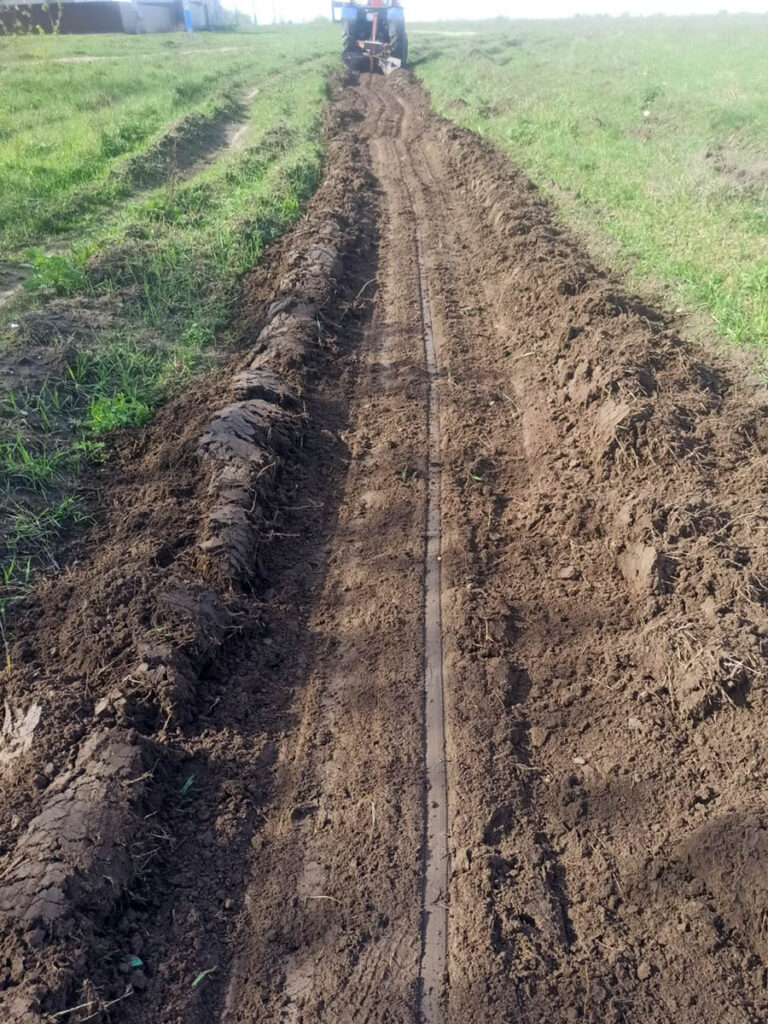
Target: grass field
{"points": [[142, 176], [77, 108], [650, 134]]}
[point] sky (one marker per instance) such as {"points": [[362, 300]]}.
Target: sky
{"points": [[449, 10]]}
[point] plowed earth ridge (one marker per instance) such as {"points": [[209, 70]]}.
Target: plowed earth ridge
{"points": [[214, 758]]}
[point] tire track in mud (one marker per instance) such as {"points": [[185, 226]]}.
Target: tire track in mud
{"points": [[437, 863], [390, 160], [543, 901], [434, 957], [116, 856]]}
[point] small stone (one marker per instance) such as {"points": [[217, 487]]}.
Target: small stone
{"points": [[103, 708], [644, 970], [462, 860], [538, 736], [570, 572], [634, 723], [579, 760]]}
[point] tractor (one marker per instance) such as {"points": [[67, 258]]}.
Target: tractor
{"points": [[373, 33]]}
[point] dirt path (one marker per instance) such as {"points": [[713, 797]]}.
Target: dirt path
{"points": [[601, 647], [455, 703]]}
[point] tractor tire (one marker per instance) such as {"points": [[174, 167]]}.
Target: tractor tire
{"points": [[349, 36], [398, 40]]}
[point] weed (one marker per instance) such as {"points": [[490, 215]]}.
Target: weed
{"points": [[43, 527], [107, 414], [35, 532], [33, 470], [62, 272]]}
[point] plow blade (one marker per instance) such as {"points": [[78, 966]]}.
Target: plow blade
{"points": [[388, 64], [373, 56]]}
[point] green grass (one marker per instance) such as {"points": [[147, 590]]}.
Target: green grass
{"points": [[77, 108], [161, 265], [650, 134]]}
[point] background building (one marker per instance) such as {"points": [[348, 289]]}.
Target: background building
{"points": [[133, 16]]}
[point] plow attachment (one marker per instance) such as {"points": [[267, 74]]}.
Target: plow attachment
{"points": [[374, 35], [369, 58]]}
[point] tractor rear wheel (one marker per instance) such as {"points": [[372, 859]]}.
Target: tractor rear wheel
{"points": [[398, 40], [349, 36]]}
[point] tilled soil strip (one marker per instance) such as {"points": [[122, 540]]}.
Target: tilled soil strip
{"points": [[593, 467], [335, 906], [212, 770], [603, 635]]}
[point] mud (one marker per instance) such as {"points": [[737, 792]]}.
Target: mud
{"points": [[214, 801], [742, 165], [191, 144], [182, 150], [12, 278]]}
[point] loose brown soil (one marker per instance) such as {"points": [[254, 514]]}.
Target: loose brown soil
{"points": [[184, 149], [212, 783], [12, 278]]}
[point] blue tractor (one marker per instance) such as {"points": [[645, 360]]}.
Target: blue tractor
{"points": [[374, 34]]}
